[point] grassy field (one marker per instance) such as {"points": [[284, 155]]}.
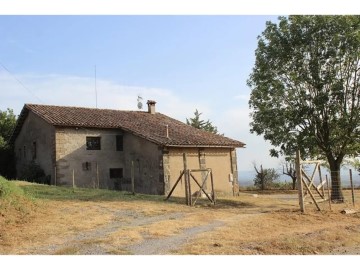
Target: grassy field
{"points": [[41, 219]]}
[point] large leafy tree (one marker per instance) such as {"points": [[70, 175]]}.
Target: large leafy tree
{"points": [[7, 124], [306, 79], [201, 124]]}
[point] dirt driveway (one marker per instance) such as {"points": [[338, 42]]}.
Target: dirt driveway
{"points": [[249, 224]]}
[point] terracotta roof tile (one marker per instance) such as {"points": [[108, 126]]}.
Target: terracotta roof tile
{"points": [[152, 127]]}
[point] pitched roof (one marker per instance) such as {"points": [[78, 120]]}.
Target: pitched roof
{"points": [[152, 127]]}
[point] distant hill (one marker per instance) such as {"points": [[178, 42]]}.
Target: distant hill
{"points": [[246, 178]]}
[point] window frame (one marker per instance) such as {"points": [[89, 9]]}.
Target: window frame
{"points": [[93, 143], [112, 172], [119, 143]]}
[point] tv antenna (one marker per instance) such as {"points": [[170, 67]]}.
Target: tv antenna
{"points": [[139, 102], [95, 89]]}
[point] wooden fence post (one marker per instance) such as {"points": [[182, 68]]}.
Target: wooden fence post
{"points": [[212, 188], [73, 178], [55, 175], [189, 188], [299, 181], [321, 182], [132, 178], [187, 176], [97, 175], [328, 189], [352, 188]]}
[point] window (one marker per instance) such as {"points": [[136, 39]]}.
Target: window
{"points": [[34, 151], [86, 166], [116, 173], [93, 143], [119, 143]]}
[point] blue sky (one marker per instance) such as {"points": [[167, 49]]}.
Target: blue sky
{"points": [[183, 62]]}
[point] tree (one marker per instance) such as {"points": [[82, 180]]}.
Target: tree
{"points": [[7, 124], [289, 170], [352, 162], [201, 124], [265, 178], [306, 79]]}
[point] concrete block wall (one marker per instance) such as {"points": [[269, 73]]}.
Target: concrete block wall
{"points": [[218, 159]]}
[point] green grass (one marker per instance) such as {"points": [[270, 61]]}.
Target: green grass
{"points": [[63, 193], [14, 200], [17, 189], [8, 189]]}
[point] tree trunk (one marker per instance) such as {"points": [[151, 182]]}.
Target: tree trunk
{"points": [[262, 178], [336, 189], [294, 183]]}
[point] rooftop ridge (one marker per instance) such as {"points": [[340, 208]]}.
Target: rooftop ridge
{"points": [[155, 127]]}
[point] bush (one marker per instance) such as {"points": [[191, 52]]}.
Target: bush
{"points": [[282, 185], [34, 173], [7, 162], [265, 178]]}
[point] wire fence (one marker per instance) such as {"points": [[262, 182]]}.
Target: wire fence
{"points": [[326, 193]]}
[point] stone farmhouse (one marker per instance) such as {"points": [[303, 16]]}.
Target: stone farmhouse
{"points": [[101, 148]]}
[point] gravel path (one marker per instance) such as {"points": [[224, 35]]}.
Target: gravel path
{"points": [[91, 242], [166, 245], [101, 233]]}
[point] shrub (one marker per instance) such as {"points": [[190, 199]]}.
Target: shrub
{"points": [[282, 185], [34, 173], [7, 162], [265, 178]]}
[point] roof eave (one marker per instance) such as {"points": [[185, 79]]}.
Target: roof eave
{"points": [[206, 146], [19, 123]]}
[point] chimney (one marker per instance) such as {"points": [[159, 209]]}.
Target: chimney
{"points": [[151, 106], [167, 131]]}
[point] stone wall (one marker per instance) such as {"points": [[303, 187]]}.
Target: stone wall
{"points": [[62, 153], [35, 143], [92, 168]]}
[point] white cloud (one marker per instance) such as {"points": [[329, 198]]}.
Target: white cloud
{"points": [[80, 91], [235, 123]]}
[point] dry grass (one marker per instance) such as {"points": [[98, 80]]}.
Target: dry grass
{"points": [[51, 223], [279, 233], [262, 224], [277, 227]]}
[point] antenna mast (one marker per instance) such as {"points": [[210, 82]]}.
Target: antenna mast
{"points": [[95, 88], [139, 100]]}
